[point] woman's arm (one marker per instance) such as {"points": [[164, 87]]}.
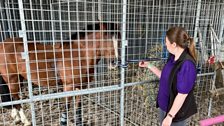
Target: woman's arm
{"points": [[177, 104], [152, 68], [156, 71]]}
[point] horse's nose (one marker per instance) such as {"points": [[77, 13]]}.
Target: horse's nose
{"points": [[113, 64]]}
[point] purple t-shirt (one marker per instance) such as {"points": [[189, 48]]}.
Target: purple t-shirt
{"points": [[186, 77]]}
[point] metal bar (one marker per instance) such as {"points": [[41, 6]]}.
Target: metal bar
{"points": [[23, 26], [99, 11], [9, 20], [2, 104], [214, 35], [123, 40], [211, 98], [64, 94], [146, 30], [221, 29], [197, 19], [205, 74], [139, 83]]}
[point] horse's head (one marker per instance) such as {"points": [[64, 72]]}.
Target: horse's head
{"points": [[109, 43], [106, 37]]}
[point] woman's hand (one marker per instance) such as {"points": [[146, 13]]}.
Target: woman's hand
{"points": [[152, 68], [167, 121], [143, 64]]}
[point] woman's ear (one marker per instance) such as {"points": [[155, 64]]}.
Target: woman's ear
{"points": [[174, 44]]}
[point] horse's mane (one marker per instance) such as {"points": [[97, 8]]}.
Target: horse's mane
{"points": [[111, 27]]}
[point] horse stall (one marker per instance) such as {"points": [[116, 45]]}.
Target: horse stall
{"points": [[75, 62]]}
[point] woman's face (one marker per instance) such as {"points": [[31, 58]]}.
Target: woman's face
{"points": [[170, 47]]}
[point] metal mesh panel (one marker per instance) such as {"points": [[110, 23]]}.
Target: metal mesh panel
{"points": [[123, 96]]}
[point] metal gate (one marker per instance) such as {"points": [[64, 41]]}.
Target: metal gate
{"points": [[126, 95]]}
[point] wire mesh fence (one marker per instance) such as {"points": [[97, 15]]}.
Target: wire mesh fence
{"points": [[59, 68]]}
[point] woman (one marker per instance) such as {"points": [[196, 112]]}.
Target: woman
{"points": [[175, 97]]}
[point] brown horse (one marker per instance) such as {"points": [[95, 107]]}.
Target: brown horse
{"points": [[70, 62]]}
